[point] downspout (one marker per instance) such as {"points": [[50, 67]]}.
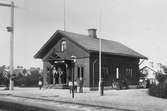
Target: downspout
{"points": [[94, 62]]}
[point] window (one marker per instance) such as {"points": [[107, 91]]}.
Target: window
{"points": [[105, 70], [80, 72], [129, 72], [117, 73], [63, 46]]}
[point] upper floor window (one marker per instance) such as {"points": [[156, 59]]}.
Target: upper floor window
{"points": [[63, 46]]}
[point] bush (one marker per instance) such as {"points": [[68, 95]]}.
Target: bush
{"points": [[159, 91], [27, 81], [32, 80], [161, 78]]}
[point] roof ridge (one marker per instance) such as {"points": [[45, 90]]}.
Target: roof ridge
{"points": [[62, 31], [90, 43]]}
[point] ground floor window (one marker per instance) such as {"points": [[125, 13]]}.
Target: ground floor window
{"points": [[129, 72], [105, 70], [117, 73], [80, 71]]}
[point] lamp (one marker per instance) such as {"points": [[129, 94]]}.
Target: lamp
{"points": [[73, 58]]}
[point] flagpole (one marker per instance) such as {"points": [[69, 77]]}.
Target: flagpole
{"points": [[100, 48], [64, 15], [99, 65]]}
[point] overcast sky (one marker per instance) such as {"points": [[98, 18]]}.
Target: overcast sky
{"points": [[139, 24]]}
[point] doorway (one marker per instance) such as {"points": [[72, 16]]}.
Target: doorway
{"points": [[59, 73]]}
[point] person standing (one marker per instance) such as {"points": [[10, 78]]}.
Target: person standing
{"points": [[40, 84], [60, 77], [102, 87], [80, 85], [147, 83], [75, 86], [70, 86], [55, 76]]}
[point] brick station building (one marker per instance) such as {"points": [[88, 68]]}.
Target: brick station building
{"points": [[118, 61]]}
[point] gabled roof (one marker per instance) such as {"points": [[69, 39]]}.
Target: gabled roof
{"points": [[90, 44], [148, 68]]}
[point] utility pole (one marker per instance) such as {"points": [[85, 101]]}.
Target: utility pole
{"points": [[11, 86], [11, 30]]}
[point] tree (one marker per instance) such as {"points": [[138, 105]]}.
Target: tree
{"points": [[164, 67], [24, 71], [2, 68], [4, 76], [28, 80]]}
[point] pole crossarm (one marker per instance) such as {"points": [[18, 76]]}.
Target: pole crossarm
{"points": [[5, 5], [9, 29], [8, 5]]}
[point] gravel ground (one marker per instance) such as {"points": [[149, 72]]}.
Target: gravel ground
{"points": [[132, 99]]}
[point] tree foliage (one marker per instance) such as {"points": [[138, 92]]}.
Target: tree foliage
{"points": [[28, 80], [4, 76], [159, 90], [21, 78], [164, 69], [161, 77]]}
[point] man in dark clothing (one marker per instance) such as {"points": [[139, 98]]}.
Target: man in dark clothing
{"points": [[80, 85], [147, 83], [102, 87]]}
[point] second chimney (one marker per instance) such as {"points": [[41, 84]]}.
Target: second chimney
{"points": [[92, 33]]}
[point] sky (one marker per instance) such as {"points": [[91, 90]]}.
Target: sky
{"points": [[139, 24]]}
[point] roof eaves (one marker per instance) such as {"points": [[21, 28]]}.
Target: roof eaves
{"points": [[121, 54], [148, 68], [37, 55]]}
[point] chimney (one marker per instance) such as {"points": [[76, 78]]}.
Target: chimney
{"points": [[92, 33]]}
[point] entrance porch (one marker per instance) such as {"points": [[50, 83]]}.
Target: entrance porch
{"points": [[58, 74]]}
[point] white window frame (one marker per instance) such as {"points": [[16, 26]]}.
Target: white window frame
{"points": [[117, 73], [63, 45]]}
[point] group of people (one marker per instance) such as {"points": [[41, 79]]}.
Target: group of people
{"points": [[78, 83], [120, 84], [58, 76]]}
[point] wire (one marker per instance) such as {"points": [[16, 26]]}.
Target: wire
{"points": [[3, 27], [7, 0]]}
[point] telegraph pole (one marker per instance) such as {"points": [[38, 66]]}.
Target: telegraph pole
{"points": [[11, 30], [11, 86]]}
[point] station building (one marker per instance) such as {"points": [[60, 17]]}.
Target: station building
{"points": [[117, 60]]}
